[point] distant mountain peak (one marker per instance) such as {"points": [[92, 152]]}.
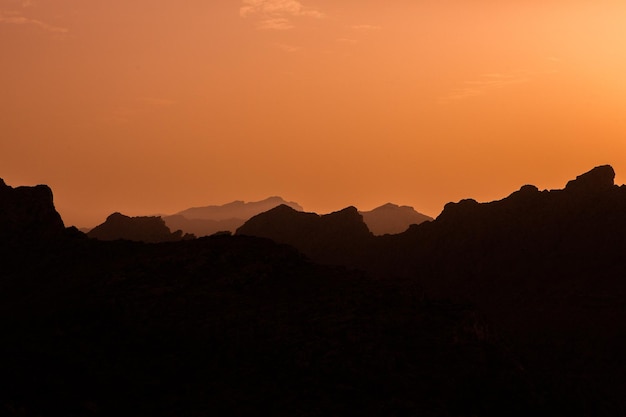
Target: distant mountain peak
{"points": [[237, 209], [117, 215], [387, 206], [391, 218], [274, 198]]}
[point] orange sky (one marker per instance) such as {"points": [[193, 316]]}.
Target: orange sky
{"points": [[154, 106]]}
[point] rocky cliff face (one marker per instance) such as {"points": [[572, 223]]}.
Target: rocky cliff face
{"points": [[140, 229], [27, 214]]}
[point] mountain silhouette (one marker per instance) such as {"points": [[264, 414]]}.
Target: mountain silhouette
{"points": [[27, 214], [328, 238], [392, 219], [140, 229], [511, 307], [236, 209], [205, 221]]}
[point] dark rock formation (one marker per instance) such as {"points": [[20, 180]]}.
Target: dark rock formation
{"points": [[140, 229], [598, 179], [392, 219], [27, 214], [329, 238]]}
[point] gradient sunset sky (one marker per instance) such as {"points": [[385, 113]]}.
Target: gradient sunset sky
{"points": [[155, 106]]}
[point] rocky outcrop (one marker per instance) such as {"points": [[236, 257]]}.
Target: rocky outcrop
{"points": [[599, 179], [27, 214], [149, 229], [327, 238], [392, 219]]}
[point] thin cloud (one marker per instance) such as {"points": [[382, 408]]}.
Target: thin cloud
{"points": [[497, 80], [288, 48], [485, 84], [276, 14], [347, 41], [155, 101], [130, 109], [278, 23], [16, 18], [365, 27]]}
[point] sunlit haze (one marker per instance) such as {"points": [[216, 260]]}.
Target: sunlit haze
{"points": [[148, 107]]}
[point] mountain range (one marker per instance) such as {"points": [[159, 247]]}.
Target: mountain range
{"points": [[512, 307], [206, 221]]}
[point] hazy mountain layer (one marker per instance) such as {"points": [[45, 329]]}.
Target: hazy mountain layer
{"points": [[236, 209], [392, 219], [205, 221]]}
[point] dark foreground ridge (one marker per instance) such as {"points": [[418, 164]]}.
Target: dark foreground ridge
{"points": [[514, 307]]}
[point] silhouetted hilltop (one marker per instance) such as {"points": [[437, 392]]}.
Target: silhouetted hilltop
{"points": [[326, 238], [392, 219], [140, 229], [27, 214]]}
